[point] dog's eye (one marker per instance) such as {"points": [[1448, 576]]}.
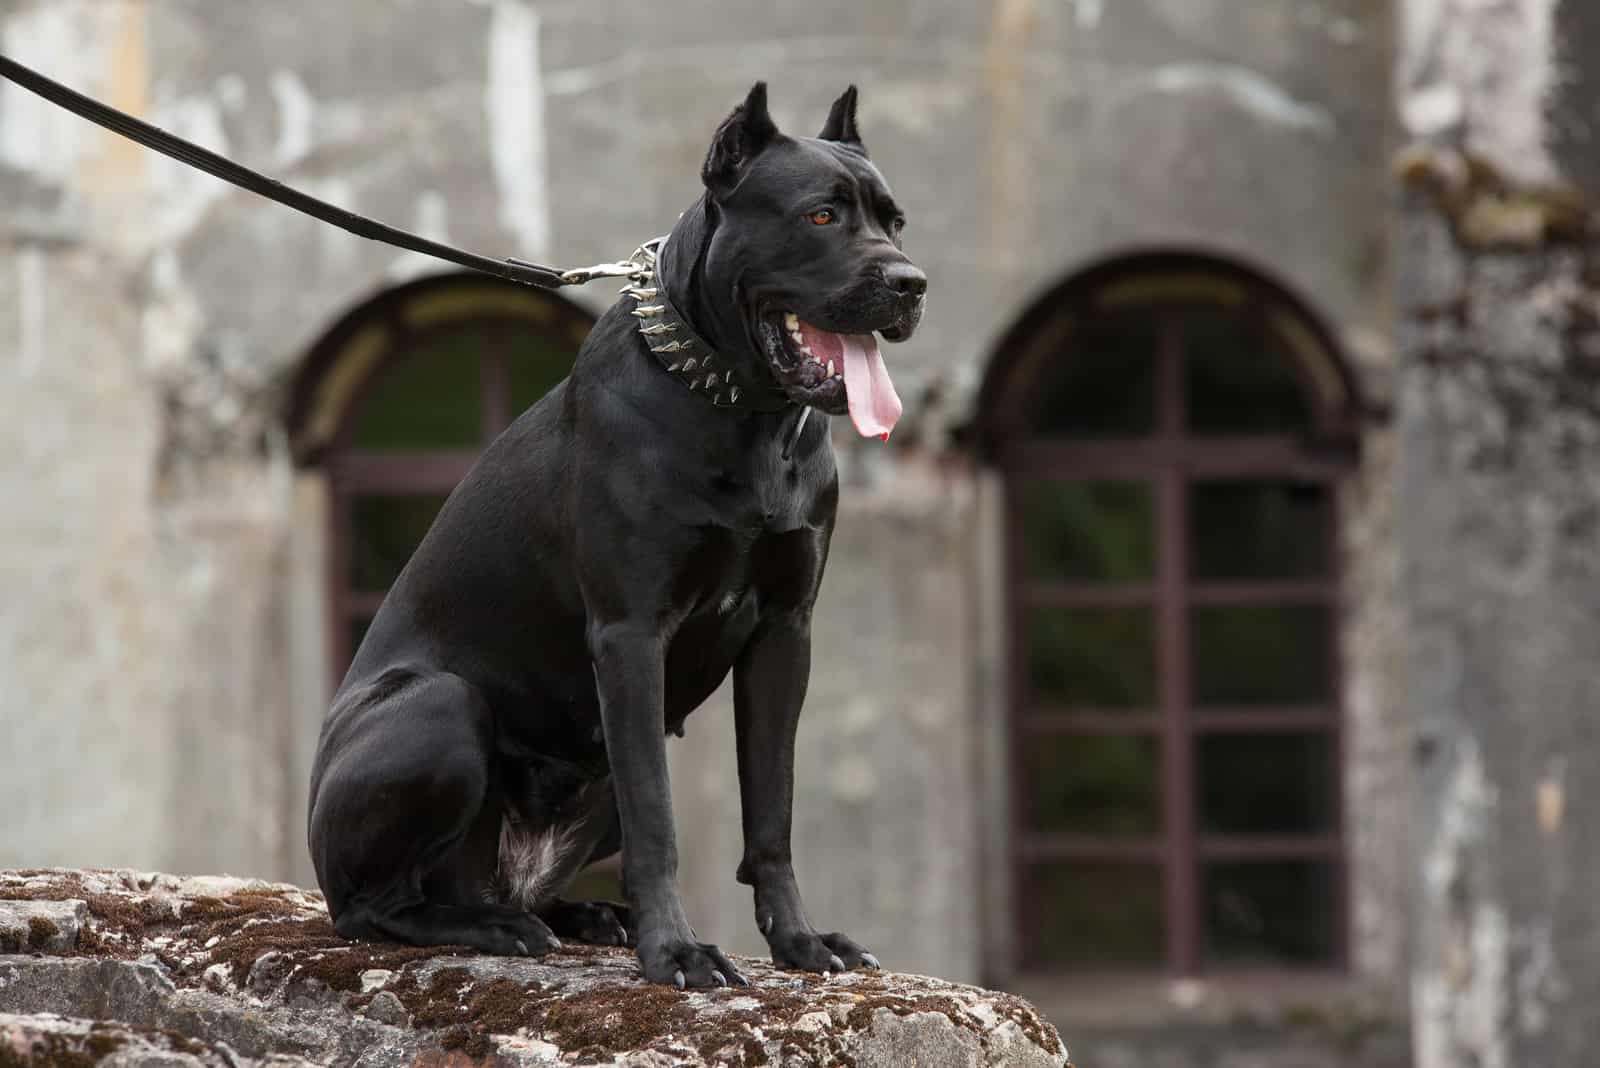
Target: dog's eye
{"points": [[898, 224], [821, 217]]}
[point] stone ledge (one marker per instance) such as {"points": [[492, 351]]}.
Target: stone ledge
{"points": [[144, 969]]}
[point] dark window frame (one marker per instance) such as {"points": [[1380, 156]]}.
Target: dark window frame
{"points": [[1169, 461]]}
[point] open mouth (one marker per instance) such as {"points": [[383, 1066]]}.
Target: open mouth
{"points": [[836, 372]]}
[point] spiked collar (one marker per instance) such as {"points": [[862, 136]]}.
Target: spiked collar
{"points": [[684, 354]]}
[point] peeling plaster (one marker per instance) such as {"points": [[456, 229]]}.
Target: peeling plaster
{"points": [[1461, 995], [36, 137], [181, 195], [1249, 91], [514, 100], [171, 318], [297, 114], [1539, 981], [1466, 805], [1484, 68]]}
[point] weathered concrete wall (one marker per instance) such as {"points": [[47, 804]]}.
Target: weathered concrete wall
{"points": [[1498, 431]]}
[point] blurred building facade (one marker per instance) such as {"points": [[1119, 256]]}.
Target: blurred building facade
{"points": [[1109, 701]]}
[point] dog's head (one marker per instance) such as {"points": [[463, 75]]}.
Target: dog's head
{"points": [[805, 236]]}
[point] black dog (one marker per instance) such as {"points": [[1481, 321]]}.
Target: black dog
{"points": [[625, 544]]}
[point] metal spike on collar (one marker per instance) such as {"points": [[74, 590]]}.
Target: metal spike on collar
{"points": [[643, 286]]}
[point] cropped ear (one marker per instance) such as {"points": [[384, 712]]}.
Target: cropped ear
{"points": [[841, 124], [741, 138]]}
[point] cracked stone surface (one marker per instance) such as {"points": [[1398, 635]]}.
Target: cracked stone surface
{"points": [[146, 969]]}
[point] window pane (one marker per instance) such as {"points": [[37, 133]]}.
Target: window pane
{"points": [[1266, 783], [384, 531], [1088, 531], [1271, 913], [1260, 654], [1092, 657], [1258, 530], [1093, 784], [1093, 914], [428, 398], [536, 363], [1238, 380], [1103, 384]]}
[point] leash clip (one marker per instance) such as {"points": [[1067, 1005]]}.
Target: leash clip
{"points": [[635, 267]]}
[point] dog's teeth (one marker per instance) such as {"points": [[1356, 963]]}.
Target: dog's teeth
{"points": [[794, 335], [830, 369], [792, 321]]}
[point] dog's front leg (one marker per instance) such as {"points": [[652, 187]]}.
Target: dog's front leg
{"points": [[629, 672], [769, 687]]}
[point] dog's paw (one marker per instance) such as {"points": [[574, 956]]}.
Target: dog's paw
{"points": [[596, 923], [517, 936], [812, 952], [682, 962]]}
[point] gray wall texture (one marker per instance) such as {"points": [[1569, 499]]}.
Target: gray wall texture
{"points": [[1498, 431], [161, 641]]}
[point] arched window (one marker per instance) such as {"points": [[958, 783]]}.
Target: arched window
{"points": [[1171, 429], [396, 402]]}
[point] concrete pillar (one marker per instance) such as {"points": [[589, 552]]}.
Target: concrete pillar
{"points": [[1498, 308]]}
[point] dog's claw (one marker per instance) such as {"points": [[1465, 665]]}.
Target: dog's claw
{"points": [[522, 947], [870, 961], [835, 964], [677, 978], [721, 980]]}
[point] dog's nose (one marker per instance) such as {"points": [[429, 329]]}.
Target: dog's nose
{"points": [[906, 279]]}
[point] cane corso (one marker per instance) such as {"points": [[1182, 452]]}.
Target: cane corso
{"points": [[660, 518]]}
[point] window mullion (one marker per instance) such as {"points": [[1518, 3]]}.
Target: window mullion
{"points": [[1177, 747], [494, 379], [1173, 630]]}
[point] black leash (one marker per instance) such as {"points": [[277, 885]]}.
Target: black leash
{"points": [[513, 270]]}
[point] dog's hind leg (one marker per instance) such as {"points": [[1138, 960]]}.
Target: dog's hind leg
{"points": [[404, 818]]}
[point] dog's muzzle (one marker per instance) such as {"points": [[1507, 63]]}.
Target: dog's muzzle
{"points": [[908, 316]]}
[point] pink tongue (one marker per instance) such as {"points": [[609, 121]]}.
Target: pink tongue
{"points": [[874, 405]]}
